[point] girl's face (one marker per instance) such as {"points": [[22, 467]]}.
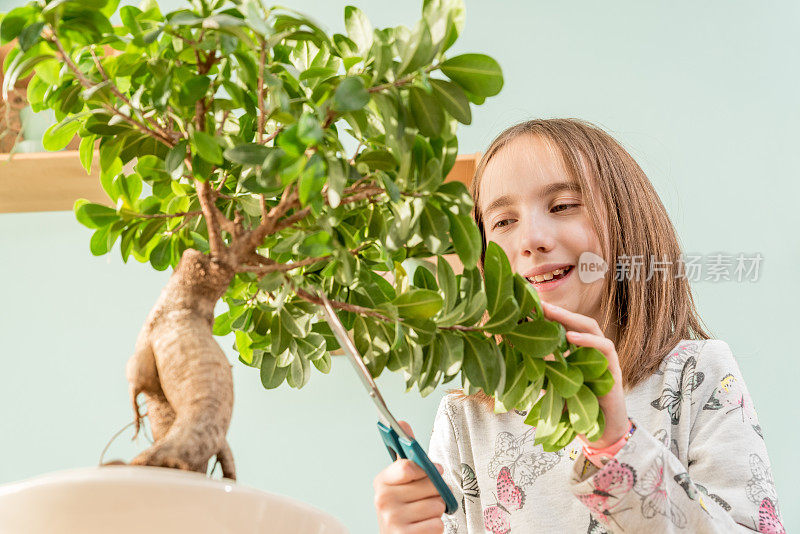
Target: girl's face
{"points": [[536, 214]]}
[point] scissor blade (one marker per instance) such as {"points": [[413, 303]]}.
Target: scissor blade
{"points": [[353, 355]]}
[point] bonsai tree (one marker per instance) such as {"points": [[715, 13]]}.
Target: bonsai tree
{"points": [[265, 161]]}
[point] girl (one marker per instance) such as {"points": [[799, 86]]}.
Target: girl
{"points": [[682, 448]]}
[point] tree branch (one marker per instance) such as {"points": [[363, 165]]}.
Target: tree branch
{"points": [[118, 94], [361, 194], [272, 266], [361, 310], [168, 215], [217, 245], [252, 239], [401, 82], [108, 107]]}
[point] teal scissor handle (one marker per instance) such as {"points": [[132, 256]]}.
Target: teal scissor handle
{"points": [[412, 450]]}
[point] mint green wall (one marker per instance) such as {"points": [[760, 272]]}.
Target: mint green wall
{"points": [[704, 95]]}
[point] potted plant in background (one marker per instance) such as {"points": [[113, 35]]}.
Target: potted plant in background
{"points": [[264, 161]]}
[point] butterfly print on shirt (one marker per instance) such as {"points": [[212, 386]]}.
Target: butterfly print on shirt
{"points": [[510, 498], [696, 491], [672, 397], [654, 495], [525, 461], [469, 485], [762, 485], [595, 527], [609, 486], [768, 521], [674, 361], [732, 397], [671, 443]]}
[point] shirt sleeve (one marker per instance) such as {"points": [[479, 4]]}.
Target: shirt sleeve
{"points": [[727, 485], [443, 449]]}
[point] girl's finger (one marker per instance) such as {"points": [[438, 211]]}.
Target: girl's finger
{"points": [[601, 343], [572, 320]]}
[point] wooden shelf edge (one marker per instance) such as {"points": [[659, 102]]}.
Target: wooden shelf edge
{"points": [[53, 181]]}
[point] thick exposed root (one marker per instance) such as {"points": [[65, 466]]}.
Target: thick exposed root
{"points": [[182, 372]]}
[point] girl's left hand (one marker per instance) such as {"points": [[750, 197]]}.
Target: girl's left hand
{"points": [[585, 332]]}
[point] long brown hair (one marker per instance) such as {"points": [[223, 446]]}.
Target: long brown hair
{"points": [[651, 316]]}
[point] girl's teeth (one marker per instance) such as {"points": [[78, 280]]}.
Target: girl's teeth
{"points": [[547, 276]]}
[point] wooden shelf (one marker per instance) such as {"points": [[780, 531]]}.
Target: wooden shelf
{"points": [[53, 181], [46, 181]]}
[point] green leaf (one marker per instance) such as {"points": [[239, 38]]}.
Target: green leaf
{"points": [[86, 152], [206, 147], [94, 215], [377, 159], [419, 49], [599, 427], [567, 380], [504, 319], [311, 347], [446, 279], [418, 303], [446, 19], [30, 35], [359, 28], [161, 254], [427, 112], [602, 385], [99, 244], [481, 362], [452, 97], [194, 89], [59, 135], [272, 375], [551, 408], [423, 278], [317, 244], [589, 360], [299, 372], [247, 154], [432, 367], [323, 364], [534, 368], [222, 324], [476, 73], [453, 352], [279, 333], [583, 408], [243, 345], [350, 95], [309, 130], [175, 158], [466, 238], [499, 278], [535, 339], [527, 297], [15, 21]]}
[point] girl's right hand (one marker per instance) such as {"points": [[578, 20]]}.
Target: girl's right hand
{"points": [[406, 500]]}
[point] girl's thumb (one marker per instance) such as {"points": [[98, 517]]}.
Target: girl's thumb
{"points": [[406, 427]]}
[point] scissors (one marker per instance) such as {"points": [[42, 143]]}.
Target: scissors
{"points": [[397, 442]]}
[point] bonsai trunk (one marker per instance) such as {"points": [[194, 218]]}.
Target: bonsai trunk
{"points": [[183, 373]]}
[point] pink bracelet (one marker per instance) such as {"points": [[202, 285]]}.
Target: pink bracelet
{"points": [[599, 457]]}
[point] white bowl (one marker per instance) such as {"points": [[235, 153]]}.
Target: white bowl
{"points": [[132, 500]]}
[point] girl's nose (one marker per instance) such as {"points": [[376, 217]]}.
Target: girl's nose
{"points": [[536, 237]]}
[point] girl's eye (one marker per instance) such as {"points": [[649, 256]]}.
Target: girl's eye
{"points": [[500, 224], [565, 206]]}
